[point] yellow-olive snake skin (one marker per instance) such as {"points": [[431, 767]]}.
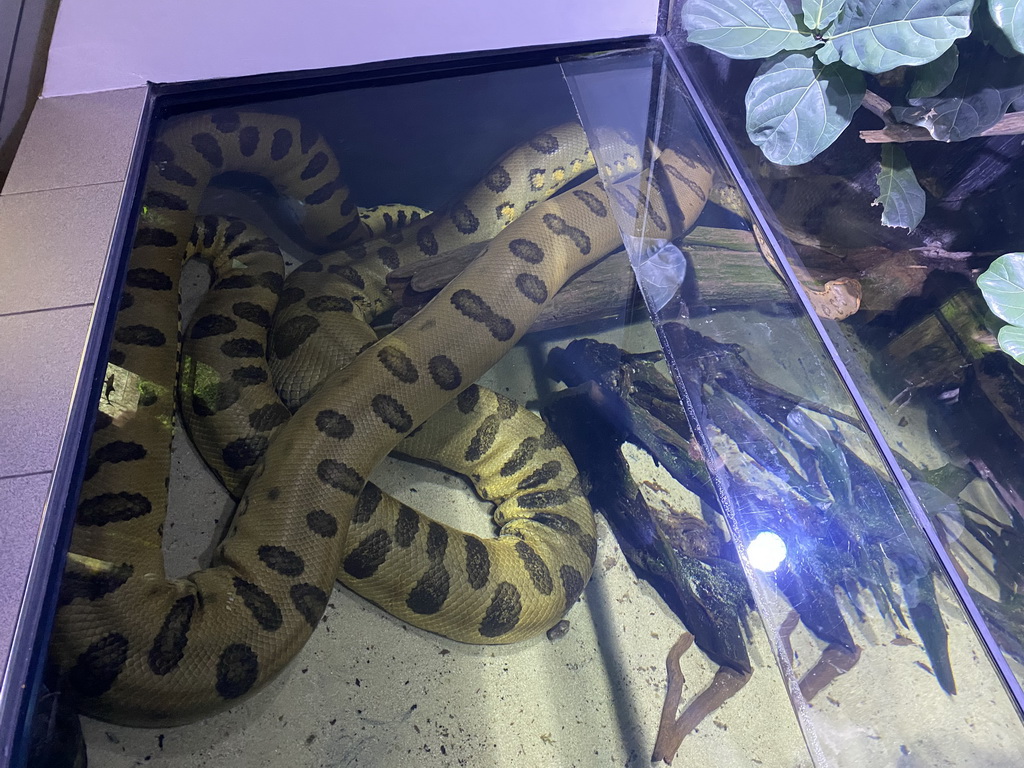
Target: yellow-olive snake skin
{"points": [[137, 648]]}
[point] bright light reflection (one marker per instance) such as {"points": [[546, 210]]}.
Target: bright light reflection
{"points": [[766, 551]]}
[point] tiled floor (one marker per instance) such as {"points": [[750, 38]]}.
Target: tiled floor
{"points": [[57, 214]]}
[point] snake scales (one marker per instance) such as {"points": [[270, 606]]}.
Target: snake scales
{"points": [[138, 648]]}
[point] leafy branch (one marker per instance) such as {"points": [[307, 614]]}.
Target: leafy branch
{"points": [[961, 59]]}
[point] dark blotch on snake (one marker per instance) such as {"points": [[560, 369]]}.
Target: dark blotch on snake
{"points": [[126, 301], [532, 287], [392, 413], [209, 148], [503, 613], [497, 180], [308, 136], [340, 476], [572, 584], [527, 250], [310, 601], [549, 438], [475, 308], [158, 199], [236, 282], [150, 236], [592, 201], [543, 499], [426, 241], [506, 407], [334, 424], [322, 523], [520, 457], [544, 474], [272, 280], [248, 140], [388, 257], [292, 334], [398, 364], [140, 336], [103, 420], [315, 166], [99, 665], [329, 304], [348, 273], [363, 561], [75, 585], [150, 279], [169, 644], [112, 508], [565, 525], [281, 560], [407, 526], [478, 562], [253, 313], [226, 120], [289, 296], [431, 591], [322, 194], [367, 503], [212, 325], [444, 372], [260, 604], [311, 266], [437, 541], [463, 219], [281, 144], [266, 417], [244, 452], [468, 399], [535, 567], [235, 228], [177, 174], [562, 228], [238, 668], [113, 452], [484, 438], [242, 348], [545, 143], [249, 375]]}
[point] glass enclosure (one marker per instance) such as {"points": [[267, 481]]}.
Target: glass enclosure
{"points": [[659, 527]]}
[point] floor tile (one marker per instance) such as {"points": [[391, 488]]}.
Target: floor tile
{"points": [[21, 506], [75, 140], [41, 353], [55, 244]]}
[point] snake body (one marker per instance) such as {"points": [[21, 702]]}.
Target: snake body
{"points": [[138, 648]]}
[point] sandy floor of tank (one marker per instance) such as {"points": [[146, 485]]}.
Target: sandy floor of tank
{"points": [[369, 691]]}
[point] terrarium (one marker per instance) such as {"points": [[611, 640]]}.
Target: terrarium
{"points": [[486, 414]]}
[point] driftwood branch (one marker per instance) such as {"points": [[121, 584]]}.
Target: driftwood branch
{"points": [[1009, 125]]}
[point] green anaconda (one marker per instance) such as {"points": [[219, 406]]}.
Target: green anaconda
{"points": [[138, 648]]}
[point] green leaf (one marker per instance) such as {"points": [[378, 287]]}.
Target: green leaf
{"points": [[744, 29], [1002, 285], [933, 77], [878, 35], [983, 88], [1011, 340], [818, 14], [899, 194], [1009, 17], [797, 106]]}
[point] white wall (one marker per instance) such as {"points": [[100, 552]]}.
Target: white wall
{"points": [[103, 45]]}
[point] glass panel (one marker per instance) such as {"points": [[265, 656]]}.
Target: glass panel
{"points": [[132, 649], [921, 344], [882, 664]]}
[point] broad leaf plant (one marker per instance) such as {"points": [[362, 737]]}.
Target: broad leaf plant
{"points": [[966, 73]]}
